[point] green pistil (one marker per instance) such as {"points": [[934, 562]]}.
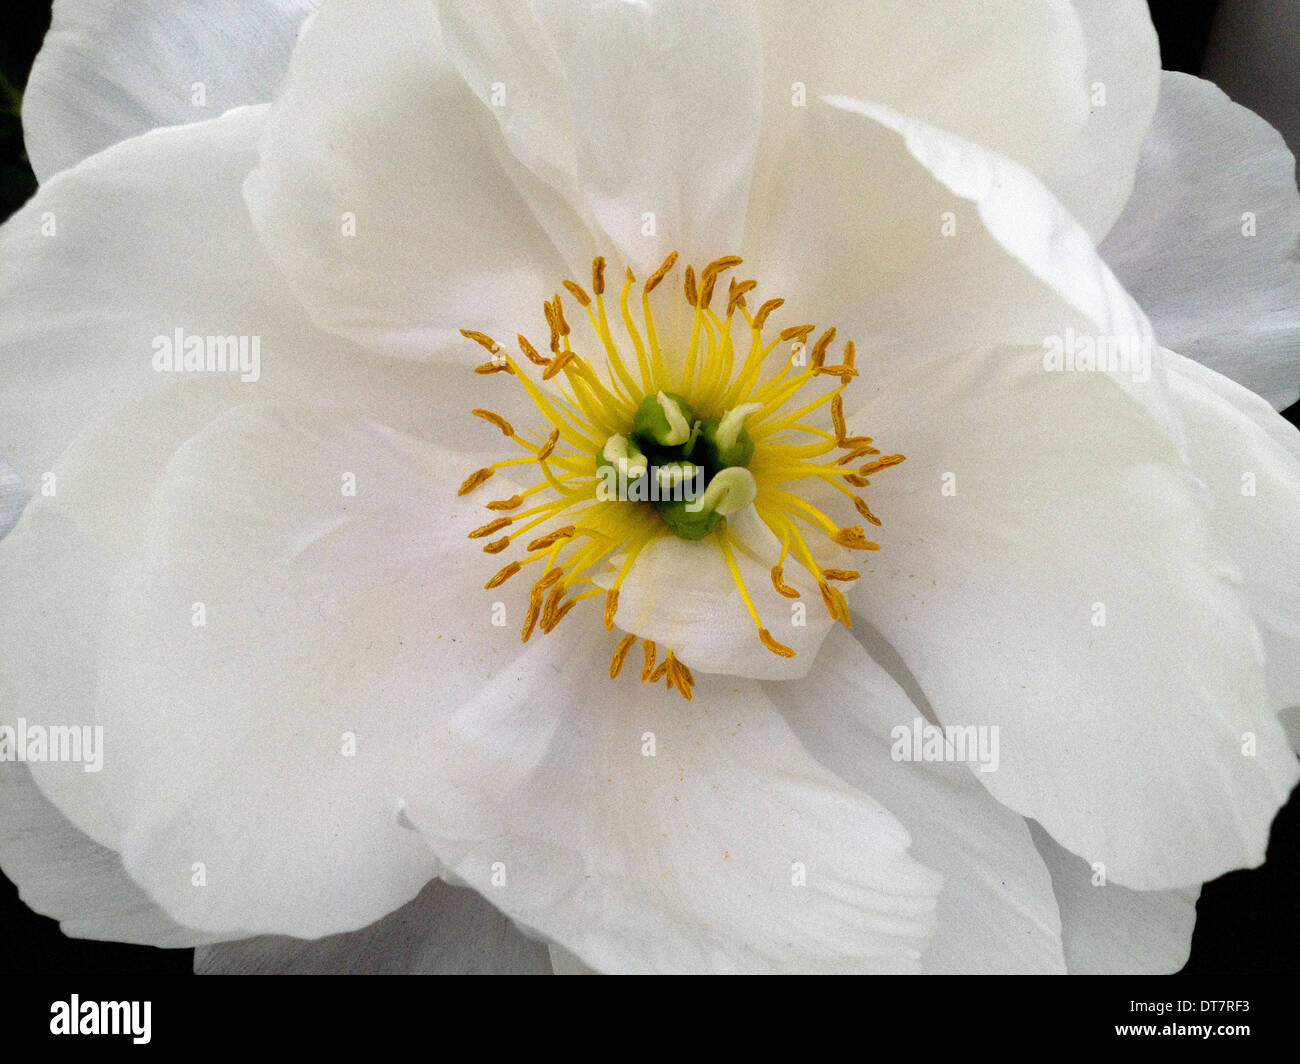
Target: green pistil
{"points": [[726, 443], [729, 491], [677, 454], [663, 420], [625, 456], [671, 474]]}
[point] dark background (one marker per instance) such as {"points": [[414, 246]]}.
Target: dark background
{"points": [[1248, 922]]}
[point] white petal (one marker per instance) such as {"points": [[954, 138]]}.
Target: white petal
{"points": [[565, 963], [165, 211], [1007, 74], [1018, 77], [1031, 502], [540, 794], [13, 497], [56, 572], [682, 595], [261, 742], [445, 930], [1207, 242], [58, 565], [997, 913], [501, 54], [111, 69], [1111, 930], [226, 743], [146, 238], [61, 873], [1249, 460], [379, 198], [645, 117], [1093, 174], [915, 243]]}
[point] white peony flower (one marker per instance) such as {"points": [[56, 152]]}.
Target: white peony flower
{"points": [[779, 246]]}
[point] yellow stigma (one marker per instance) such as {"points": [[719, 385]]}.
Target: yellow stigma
{"points": [[670, 438]]}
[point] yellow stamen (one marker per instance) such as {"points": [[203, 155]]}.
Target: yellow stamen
{"points": [[653, 280], [530, 621], [837, 418], [854, 538], [579, 293], [504, 575], [551, 538], [558, 616], [865, 511], [483, 340], [549, 446], [736, 295], [720, 361], [778, 582], [474, 480], [490, 527], [647, 670], [558, 363], [506, 428], [843, 575], [779, 649], [709, 278], [620, 655], [765, 310], [530, 352], [679, 677], [548, 578], [835, 603], [879, 464]]}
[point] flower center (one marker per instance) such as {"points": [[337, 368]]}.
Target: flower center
{"points": [[694, 431]]}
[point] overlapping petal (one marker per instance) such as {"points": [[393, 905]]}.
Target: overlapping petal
{"points": [[1208, 241], [1110, 930], [1093, 174], [643, 833], [288, 567], [917, 244], [997, 912], [1066, 90], [326, 560], [644, 118], [1052, 570], [682, 595], [378, 196], [109, 70], [1008, 74], [110, 259], [61, 873], [445, 930], [1248, 460]]}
